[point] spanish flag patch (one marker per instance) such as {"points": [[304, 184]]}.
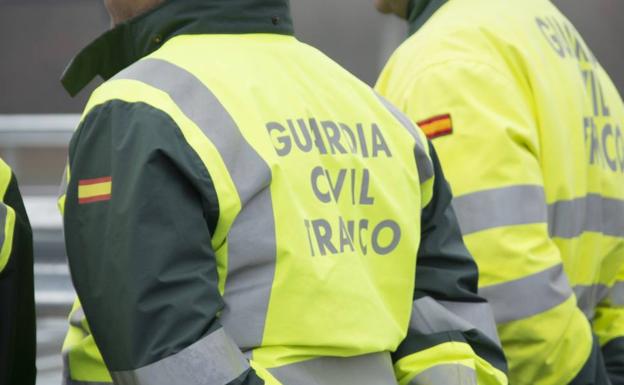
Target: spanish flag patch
{"points": [[437, 126], [95, 190]]}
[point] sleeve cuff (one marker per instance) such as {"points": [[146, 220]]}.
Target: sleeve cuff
{"points": [[215, 359]]}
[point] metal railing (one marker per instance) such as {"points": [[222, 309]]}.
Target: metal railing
{"points": [[39, 130]]}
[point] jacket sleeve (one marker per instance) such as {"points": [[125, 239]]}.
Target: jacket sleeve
{"points": [[17, 303], [491, 157], [452, 335], [609, 327], [139, 212]]}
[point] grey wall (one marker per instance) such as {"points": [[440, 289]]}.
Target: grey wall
{"points": [[601, 22], [352, 32], [37, 38], [42, 35]]}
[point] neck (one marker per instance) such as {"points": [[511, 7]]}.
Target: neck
{"points": [[120, 14]]}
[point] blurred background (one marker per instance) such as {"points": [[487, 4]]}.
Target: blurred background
{"points": [[37, 117]]}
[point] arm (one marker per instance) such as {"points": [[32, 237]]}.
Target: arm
{"points": [[139, 214], [609, 328], [452, 336], [491, 159], [17, 304]]}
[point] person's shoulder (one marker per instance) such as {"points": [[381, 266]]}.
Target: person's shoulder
{"points": [[4, 167], [123, 107], [5, 172], [463, 33], [116, 89], [6, 175], [129, 99]]}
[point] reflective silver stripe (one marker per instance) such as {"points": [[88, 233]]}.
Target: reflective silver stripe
{"points": [[528, 296], [505, 206], [215, 360], [616, 294], [588, 297], [446, 374], [423, 162], [525, 204], [251, 240], [430, 316], [64, 183], [251, 268], [370, 369], [67, 380], [77, 317], [569, 219]]}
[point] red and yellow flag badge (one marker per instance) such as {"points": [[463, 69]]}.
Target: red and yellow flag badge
{"points": [[437, 126], [95, 190]]}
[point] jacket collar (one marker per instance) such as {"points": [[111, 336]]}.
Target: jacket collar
{"points": [[419, 11], [130, 41]]}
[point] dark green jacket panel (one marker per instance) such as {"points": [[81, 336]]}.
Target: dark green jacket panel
{"points": [[17, 300], [446, 271], [142, 262], [613, 355], [594, 372], [248, 378]]}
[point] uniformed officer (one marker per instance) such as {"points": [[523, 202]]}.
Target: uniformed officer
{"points": [[529, 128], [17, 301], [241, 210]]}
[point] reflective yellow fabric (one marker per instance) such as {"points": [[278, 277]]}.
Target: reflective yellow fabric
{"points": [[530, 106], [81, 355], [63, 190], [449, 353], [330, 325], [563, 329], [609, 318], [7, 223], [5, 177], [264, 374], [7, 244], [351, 291]]}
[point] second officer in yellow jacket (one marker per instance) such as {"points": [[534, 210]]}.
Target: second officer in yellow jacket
{"points": [[529, 129]]}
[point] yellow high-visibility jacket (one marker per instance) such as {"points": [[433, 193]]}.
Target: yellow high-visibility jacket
{"points": [[17, 300], [529, 129], [230, 217]]}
